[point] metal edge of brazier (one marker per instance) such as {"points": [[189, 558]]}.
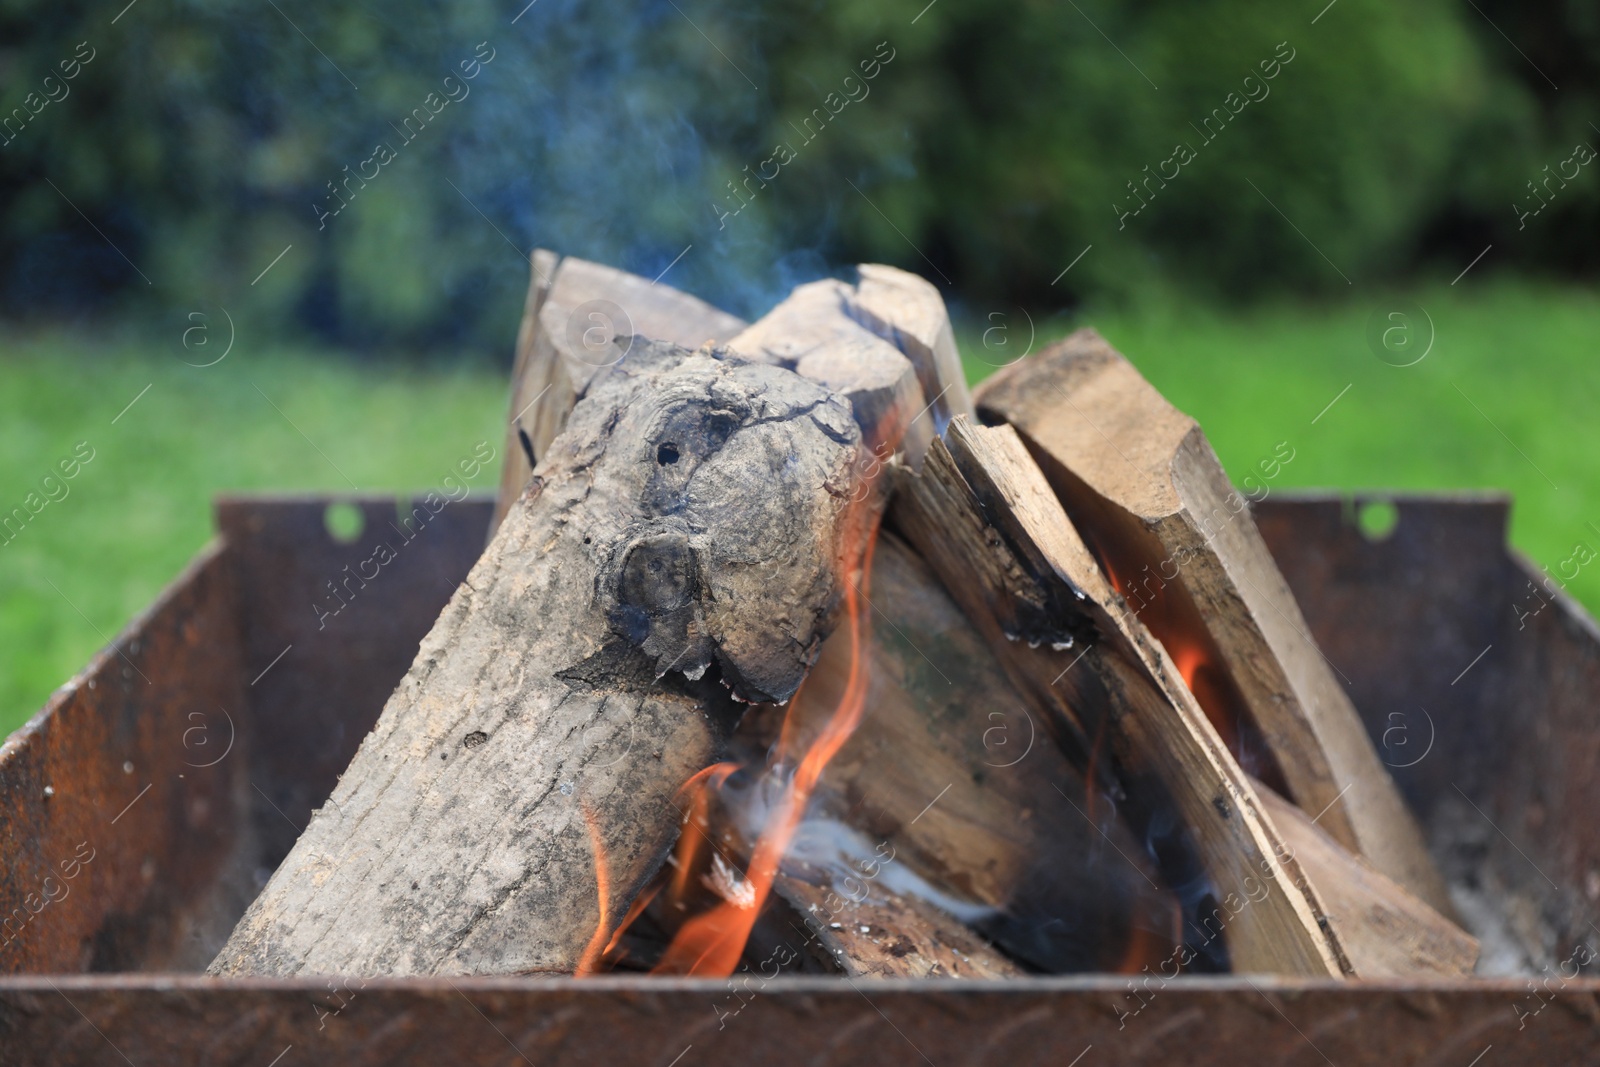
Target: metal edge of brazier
{"points": [[1433, 624]]}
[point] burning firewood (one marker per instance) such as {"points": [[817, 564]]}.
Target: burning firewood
{"points": [[1002, 758], [1143, 485], [689, 526], [1062, 889], [891, 936], [573, 312], [959, 791], [984, 518]]}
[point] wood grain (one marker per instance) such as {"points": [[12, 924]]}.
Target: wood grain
{"points": [[887, 935], [1140, 480], [1386, 930], [983, 516], [907, 311], [812, 333], [516, 791]]}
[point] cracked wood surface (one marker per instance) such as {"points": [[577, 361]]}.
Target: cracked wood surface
{"points": [[984, 518], [1141, 481], [516, 792], [812, 333], [573, 311]]}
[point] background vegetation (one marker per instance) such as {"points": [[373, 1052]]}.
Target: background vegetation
{"points": [[988, 151]]}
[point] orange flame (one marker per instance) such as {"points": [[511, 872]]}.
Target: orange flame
{"points": [[1200, 674], [688, 850], [641, 902], [1173, 619], [1089, 779], [710, 944], [1146, 947], [589, 961], [689, 844]]}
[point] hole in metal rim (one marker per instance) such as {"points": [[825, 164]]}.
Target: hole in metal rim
{"points": [[1377, 519]]}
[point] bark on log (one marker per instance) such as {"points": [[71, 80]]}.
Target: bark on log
{"points": [[983, 516], [952, 775], [573, 311], [516, 792], [1147, 491]]}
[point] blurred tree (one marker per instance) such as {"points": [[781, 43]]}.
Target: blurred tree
{"points": [[746, 148], [1547, 103]]}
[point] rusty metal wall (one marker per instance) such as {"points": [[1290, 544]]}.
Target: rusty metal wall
{"points": [[1480, 686], [323, 643], [1508, 734], [1544, 790], [1197, 1022], [1400, 618], [172, 775], [120, 828]]}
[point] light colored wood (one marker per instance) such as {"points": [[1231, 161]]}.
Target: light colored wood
{"points": [[886, 935], [1143, 484], [955, 777], [516, 791], [984, 518], [811, 332], [1387, 932], [542, 270], [907, 311], [573, 311]]}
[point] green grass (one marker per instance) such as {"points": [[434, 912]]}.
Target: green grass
{"points": [[141, 508]]}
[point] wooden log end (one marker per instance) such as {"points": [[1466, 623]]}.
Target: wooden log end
{"points": [[907, 310]]}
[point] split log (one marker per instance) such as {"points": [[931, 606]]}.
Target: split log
{"points": [[686, 528], [949, 775], [907, 311], [887, 935], [573, 312], [983, 516], [811, 332], [1386, 931], [1151, 498]]}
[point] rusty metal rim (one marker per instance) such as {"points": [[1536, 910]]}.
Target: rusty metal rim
{"points": [[1315, 495], [607, 985], [171, 591]]}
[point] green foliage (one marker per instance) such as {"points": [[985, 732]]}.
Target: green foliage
{"points": [[1042, 125], [999, 141]]}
